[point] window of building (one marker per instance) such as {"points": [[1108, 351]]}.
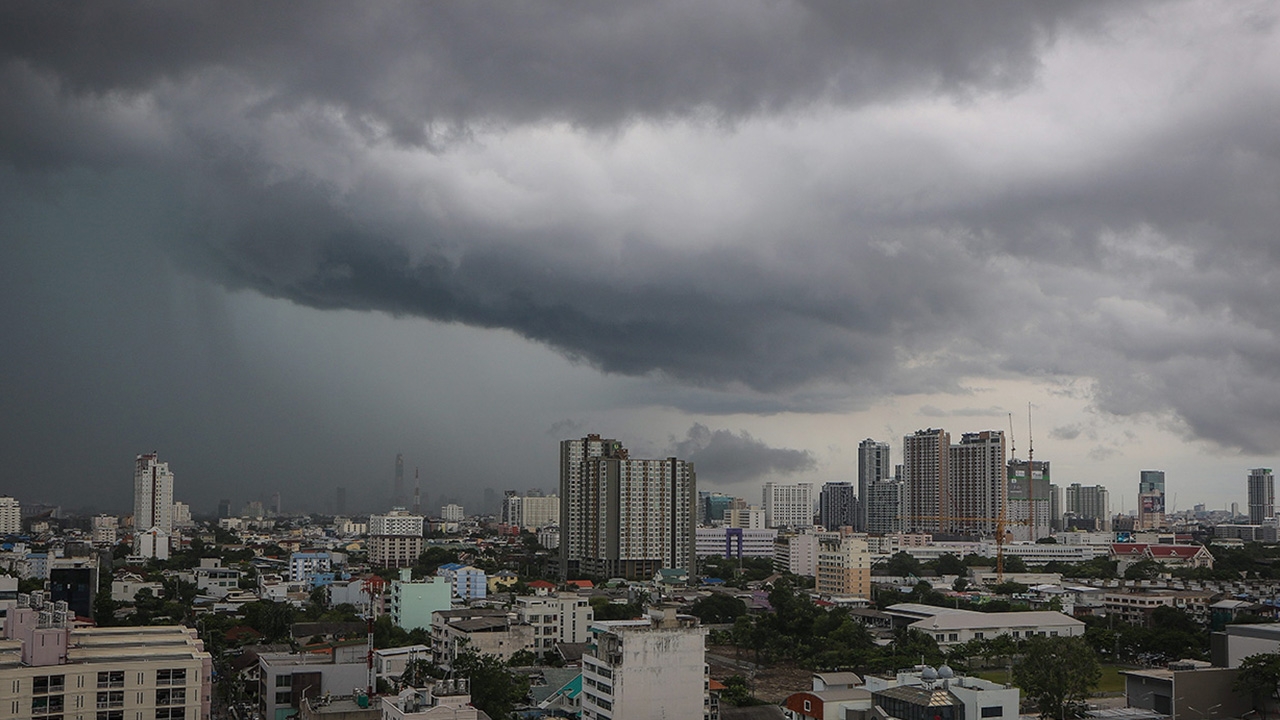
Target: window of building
{"points": [[46, 704], [808, 706], [171, 696], [284, 681], [111, 679], [175, 676], [174, 713], [110, 715], [45, 684], [992, 711], [110, 699]]}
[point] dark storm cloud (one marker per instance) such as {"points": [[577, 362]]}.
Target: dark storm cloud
{"points": [[232, 141], [419, 67], [720, 456]]}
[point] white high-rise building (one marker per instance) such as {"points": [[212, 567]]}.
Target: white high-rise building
{"points": [[452, 513], [788, 505], [1262, 495], [623, 517], [152, 497], [10, 516], [873, 467]]}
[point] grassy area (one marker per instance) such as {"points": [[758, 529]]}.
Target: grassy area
{"points": [[1112, 680]]}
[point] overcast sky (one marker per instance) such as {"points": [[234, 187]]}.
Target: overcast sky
{"points": [[280, 243]]}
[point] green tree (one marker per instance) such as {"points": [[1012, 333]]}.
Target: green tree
{"points": [[1259, 676], [1014, 564], [901, 564], [949, 564], [494, 688], [1057, 674], [718, 608], [737, 692], [1144, 570]]}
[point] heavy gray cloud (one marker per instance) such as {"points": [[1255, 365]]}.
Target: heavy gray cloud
{"points": [[752, 208], [723, 457]]}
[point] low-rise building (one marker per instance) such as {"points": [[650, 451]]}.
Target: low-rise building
{"points": [[732, 542], [111, 673], [844, 566], [563, 618], [445, 700], [469, 583], [488, 632], [950, 626], [645, 669], [214, 580], [413, 602], [284, 679]]}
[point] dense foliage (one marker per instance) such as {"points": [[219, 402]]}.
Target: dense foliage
{"points": [[1057, 674]]}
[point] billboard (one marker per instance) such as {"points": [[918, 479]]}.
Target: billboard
{"points": [[1152, 503]]}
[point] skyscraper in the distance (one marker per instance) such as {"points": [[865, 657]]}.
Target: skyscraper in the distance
{"points": [[1150, 499], [837, 506], [926, 459], [1026, 488], [1262, 495], [873, 467], [397, 490], [1091, 504]]}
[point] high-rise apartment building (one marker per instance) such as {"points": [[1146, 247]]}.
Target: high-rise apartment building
{"points": [[1029, 511], [1090, 502], [886, 507], [574, 455], [873, 467], [788, 505], [1150, 499], [838, 506], [152, 501], [1262, 495], [395, 539], [976, 474], [621, 516], [532, 510], [10, 516], [926, 466]]}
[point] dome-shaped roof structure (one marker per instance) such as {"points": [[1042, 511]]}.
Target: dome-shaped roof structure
{"points": [[929, 674], [945, 672]]}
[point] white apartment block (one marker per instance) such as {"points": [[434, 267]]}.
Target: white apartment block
{"points": [[797, 554], [214, 580], [531, 511], [152, 498], [443, 700], [395, 539], [181, 515], [396, 522], [113, 673], [788, 505], [452, 513], [650, 669], [105, 529], [564, 618], [10, 516]]}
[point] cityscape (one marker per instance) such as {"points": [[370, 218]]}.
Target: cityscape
{"points": [[750, 360]]}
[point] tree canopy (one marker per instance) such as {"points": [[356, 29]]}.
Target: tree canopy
{"points": [[1057, 674]]}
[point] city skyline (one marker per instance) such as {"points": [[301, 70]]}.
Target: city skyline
{"points": [[749, 235]]}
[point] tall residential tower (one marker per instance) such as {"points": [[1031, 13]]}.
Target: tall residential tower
{"points": [[1262, 495]]}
